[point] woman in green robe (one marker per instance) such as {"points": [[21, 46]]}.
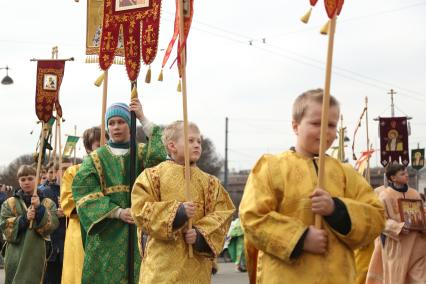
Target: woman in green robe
{"points": [[102, 194]]}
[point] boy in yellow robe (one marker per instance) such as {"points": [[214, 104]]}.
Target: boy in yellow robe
{"points": [[160, 211], [73, 248], [281, 197]]}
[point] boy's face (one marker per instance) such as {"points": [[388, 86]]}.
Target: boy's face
{"points": [[51, 174], [177, 149], [309, 128], [401, 177], [27, 183], [118, 130]]}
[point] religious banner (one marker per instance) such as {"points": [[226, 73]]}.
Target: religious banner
{"points": [[393, 140], [49, 79], [128, 16], [95, 13], [188, 13], [418, 158], [70, 146]]}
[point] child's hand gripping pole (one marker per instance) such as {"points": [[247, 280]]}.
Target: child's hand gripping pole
{"points": [[44, 131]]}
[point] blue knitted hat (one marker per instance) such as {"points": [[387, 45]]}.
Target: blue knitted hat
{"points": [[118, 109]]}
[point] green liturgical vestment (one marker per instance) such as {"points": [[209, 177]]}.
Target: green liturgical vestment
{"points": [[100, 187]]}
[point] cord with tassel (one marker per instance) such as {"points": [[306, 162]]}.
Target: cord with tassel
{"points": [[179, 87], [324, 30], [134, 93], [148, 75], [307, 16], [100, 80], [160, 77]]}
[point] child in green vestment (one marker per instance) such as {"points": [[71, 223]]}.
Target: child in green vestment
{"points": [[25, 254]]}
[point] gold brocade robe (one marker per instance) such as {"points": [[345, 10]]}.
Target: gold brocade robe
{"points": [[156, 197], [73, 248], [275, 211]]}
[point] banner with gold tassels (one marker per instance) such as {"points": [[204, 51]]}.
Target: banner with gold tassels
{"points": [[140, 23]]}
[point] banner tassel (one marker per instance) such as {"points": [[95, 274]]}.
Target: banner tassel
{"points": [[179, 87], [134, 93], [100, 80], [160, 77], [307, 16], [324, 30], [148, 75]]}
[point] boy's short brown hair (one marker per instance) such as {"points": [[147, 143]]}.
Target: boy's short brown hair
{"points": [[174, 130], [393, 169], [90, 136], [26, 170], [301, 103]]}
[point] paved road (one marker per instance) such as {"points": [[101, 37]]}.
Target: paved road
{"points": [[226, 275]]}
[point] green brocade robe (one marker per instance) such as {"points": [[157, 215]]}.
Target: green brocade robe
{"points": [[101, 186], [25, 257]]}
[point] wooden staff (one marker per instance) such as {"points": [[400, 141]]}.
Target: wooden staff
{"points": [[104, 106], [324, 117], [367, 173], [182, 55], [132, 176], [44, 130], [75, 146]]}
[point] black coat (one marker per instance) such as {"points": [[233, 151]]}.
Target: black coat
{"points": [[52, 191]]}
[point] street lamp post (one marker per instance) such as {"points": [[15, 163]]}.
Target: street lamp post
{"points": [[7, 80]]}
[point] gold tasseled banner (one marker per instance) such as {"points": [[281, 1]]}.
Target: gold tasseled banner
{"points": [[100, 80], [134, 93], [324, 30], [307, 16], [148, 75], [160, 77], [179, 87]]}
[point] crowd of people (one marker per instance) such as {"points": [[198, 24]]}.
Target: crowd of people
{"points": [[76, 226]]}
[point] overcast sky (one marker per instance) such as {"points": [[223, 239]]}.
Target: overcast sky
{"points": [[379, 45]]}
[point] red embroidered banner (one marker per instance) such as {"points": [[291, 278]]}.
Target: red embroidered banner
{"points": [[129, 15], [188, 6], [393, 140], [49, 79], [313, 2]]}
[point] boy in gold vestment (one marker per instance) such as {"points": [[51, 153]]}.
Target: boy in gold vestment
{"points": [[160, 211], [280, 200], [73, 248]]}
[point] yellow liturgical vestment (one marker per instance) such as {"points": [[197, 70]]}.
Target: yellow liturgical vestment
{"points": [[156, 197], [73, 248], [275, 212]]}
